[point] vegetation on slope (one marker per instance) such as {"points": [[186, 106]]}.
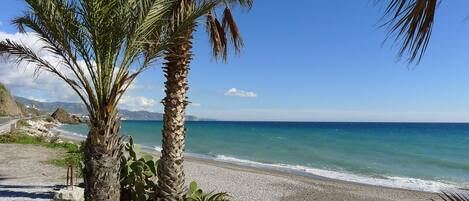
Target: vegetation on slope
{"points": [[8, 106]]}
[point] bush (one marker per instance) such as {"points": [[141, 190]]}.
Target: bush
{"points": [[49, 119], [197, 194], [22, 123], [20, 138], [139, 178]]}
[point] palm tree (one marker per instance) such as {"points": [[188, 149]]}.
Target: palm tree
{"points": [[170, 168], [101, 47]]}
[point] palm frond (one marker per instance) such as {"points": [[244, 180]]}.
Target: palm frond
{"points": [[230, 25], [20, 53], [411, 24], [226, 32], [106, 44]]}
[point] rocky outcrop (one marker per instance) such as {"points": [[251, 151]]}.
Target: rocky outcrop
{"points": [[63, 116], [70, 194], [8, 106]]}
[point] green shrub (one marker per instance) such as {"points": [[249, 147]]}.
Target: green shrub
{"points": [[19, 138], [49, 119], [197, 194], [22, 123]]}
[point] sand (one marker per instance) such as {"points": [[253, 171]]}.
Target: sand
{"points": [[25, 176]]}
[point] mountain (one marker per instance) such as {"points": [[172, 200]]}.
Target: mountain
{"points": [[80, 109], [8, 106], [74, 108]]}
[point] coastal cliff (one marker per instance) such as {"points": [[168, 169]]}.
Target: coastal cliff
{"points": [[8, 106]]}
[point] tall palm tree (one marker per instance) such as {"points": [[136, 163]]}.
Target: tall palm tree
{"points": [[170, 168], [101, 47]]}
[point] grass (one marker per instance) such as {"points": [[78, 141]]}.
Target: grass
{"points": [[73, 157]]}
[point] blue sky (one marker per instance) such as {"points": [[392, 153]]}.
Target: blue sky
{"points": [[312, 61]]}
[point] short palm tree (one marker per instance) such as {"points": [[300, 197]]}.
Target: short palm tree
{"points": [[170, 168], [101, 47]]}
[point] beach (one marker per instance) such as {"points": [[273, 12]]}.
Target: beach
{"points": [[257, 184], [25, 176]]}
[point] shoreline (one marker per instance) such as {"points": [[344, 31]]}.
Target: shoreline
{"points": [[256, 183], [253, 183], [301, 176], [405, 183]]}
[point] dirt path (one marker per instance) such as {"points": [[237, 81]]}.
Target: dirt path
{"points": [[25, 176]]}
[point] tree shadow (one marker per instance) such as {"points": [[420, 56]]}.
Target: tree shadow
{"points": [[20, 193], [32, 186]]}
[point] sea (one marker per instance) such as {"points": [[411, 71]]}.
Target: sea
{"points": [[429, 157]]}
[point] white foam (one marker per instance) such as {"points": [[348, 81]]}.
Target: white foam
{"points": [[73, 134], [156, 148], [393, 182], [389, 181]]}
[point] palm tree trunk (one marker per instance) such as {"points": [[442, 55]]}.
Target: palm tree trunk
{"points": [[102, 154], [171, 184]]}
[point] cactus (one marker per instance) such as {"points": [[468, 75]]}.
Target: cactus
{"points": [[138, 175], [139, 179]]}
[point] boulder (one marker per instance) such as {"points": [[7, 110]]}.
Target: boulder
{"points": [[63, 116], [70, 194]]}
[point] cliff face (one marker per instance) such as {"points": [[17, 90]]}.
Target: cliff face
{"points": [[8, 106]]}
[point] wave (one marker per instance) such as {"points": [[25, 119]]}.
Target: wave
{"points": [[385, 181], [69, 133]]}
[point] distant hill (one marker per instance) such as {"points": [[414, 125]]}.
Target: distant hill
{"points": [[50, 107], [80, 109]]}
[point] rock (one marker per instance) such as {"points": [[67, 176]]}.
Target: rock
{"points": [[8, 106], [64, 117], [38, 128], [69, 194]]}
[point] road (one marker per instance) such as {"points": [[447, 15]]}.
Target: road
{"points": [[5, 124]]}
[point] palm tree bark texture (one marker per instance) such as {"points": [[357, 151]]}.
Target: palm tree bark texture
{"points": [[171, 181], [102, 154]]}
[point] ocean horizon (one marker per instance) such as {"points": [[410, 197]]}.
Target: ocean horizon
{"points": [[418, 156]]}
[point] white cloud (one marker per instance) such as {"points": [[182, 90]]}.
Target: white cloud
{"points": [[136, 86], [137, 103], [21, 79], [240, 93]]}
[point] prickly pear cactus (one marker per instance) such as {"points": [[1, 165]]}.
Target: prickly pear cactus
{"points": [[138, 174]]}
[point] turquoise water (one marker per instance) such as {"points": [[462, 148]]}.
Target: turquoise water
{"points": [[420, 156]]}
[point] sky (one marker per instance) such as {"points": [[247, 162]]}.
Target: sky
{"points": [[303, 61]]}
